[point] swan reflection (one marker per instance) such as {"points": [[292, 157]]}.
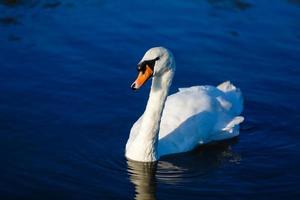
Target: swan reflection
{"points": [[142, 175], [179, 169]]}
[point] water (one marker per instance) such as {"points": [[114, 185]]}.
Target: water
{"points": [[66, 104]]}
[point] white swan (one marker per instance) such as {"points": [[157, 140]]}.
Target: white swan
{"points": [[181, 121]]}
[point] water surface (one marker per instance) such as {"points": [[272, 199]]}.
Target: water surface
{"points": [[66, 107]]}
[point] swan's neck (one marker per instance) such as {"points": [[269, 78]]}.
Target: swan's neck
{"points": [[146, 141]]}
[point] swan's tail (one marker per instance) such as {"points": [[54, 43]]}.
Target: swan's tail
{"points": [[232, 100]]}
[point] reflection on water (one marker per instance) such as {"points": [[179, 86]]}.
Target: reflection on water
{"points": [[236, 4], [297, 2], [47, 4], [9, 20], [15, 3], [52, 5], [14, 38], [234, 33], [179, 168], [11, 2], [142, 175]]}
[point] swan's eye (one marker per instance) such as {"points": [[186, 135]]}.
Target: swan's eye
{"points": [[141, 67], [151, 63]]}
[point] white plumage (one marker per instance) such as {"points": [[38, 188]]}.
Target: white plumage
{"points": [[192, 116]]}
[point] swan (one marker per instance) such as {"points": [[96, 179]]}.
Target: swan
{"points": [[180, 122]]}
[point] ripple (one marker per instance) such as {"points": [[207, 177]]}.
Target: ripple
{"points": [[235, 4], [66, 108], [180, 169], [9, 20]]}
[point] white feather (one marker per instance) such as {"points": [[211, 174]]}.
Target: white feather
{"points": [[192, 116]]}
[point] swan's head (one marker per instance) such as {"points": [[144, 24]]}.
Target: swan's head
{"points": [[156, 62]]}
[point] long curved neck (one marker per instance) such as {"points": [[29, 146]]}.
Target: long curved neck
{"points": [[147, 138]]}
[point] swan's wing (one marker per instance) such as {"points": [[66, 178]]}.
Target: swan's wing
{"points": [[185, 104], [198, 115]]}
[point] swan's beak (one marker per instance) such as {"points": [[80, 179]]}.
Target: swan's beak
{"points": [[143, 76]]}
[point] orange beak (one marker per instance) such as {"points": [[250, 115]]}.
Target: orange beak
{"points": [[142, 78]]}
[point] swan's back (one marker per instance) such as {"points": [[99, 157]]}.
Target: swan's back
{"points": [[184, 104], [199, 114]]}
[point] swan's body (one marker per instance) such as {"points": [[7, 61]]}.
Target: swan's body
{"points": [[181, 121]]}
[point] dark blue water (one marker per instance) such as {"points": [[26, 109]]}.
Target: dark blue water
{"points": [[66, 107]]}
